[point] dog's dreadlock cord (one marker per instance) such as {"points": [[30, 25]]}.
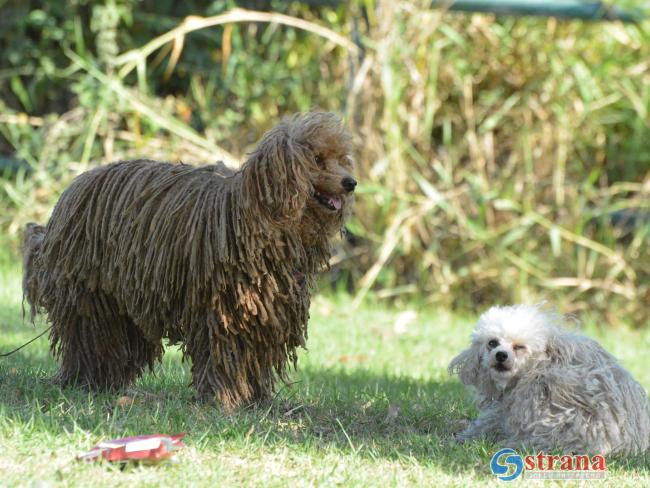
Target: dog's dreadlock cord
{"points": [[4, 355]]}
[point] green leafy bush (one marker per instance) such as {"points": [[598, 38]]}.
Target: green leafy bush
{"points": [[501, 159]]}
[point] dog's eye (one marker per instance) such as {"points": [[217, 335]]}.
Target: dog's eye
{"points": [[519, 347], [320, 162], [493, 343]]}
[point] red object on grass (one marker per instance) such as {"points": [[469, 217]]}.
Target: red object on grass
{"points": [[138, 448]]}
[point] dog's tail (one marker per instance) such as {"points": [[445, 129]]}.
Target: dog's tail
{"points": [[32, 243]]}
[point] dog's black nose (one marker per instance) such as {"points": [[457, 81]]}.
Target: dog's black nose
{"points": [[348, 183], [501, 356]]}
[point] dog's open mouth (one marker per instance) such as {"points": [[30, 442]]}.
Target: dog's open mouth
{"points": [[331, 202], [501, 368]]}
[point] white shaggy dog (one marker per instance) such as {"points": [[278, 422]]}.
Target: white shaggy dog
{"points": [[544, 388]]}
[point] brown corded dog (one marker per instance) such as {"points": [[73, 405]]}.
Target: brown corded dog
{"points": [[220, 261]]}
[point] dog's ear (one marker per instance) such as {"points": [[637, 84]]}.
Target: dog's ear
{"points": [[468, 367], [276, 178]]}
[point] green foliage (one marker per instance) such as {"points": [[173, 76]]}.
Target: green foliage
{"points": [[495, 155]]}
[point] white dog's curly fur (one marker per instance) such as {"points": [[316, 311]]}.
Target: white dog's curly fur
{"points": [[544, 388]]}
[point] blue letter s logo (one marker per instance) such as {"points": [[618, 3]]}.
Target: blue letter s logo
{"points": [[501, 469]]}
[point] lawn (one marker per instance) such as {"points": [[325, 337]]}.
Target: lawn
{"points": [[371, 405]]}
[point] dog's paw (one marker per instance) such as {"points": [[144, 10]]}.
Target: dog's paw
{"points": [[462, 437], [461, 430]]}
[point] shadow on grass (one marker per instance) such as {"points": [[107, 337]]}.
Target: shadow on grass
{"points": [[351, 411]]}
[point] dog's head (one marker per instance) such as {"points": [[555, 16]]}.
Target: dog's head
{"points": [[505, 343], [300, 174]]}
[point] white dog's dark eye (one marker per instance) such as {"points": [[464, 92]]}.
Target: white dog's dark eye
{"points": [[493, 343], [320, 162], [518, 347]]}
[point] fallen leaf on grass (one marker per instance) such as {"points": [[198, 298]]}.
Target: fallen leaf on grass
{"points": [[357, 358], [125, 401]]}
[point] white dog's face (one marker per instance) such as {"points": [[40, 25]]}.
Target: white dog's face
{"points": [[506, 342], [502, 357], [507, 338]]}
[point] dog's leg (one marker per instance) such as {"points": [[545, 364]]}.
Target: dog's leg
{"points": [[225, 368], [489, 425], [98, 346]]}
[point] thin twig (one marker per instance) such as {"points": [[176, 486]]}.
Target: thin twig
{"points": [[392, 237], [139, 103], [586, 284], [612, 254], [130, 59], [21, 119]]}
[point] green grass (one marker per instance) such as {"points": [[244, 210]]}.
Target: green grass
{"points": [[371, 405]]}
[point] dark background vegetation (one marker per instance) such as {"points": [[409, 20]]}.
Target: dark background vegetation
{"points": [[500, 159]]}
